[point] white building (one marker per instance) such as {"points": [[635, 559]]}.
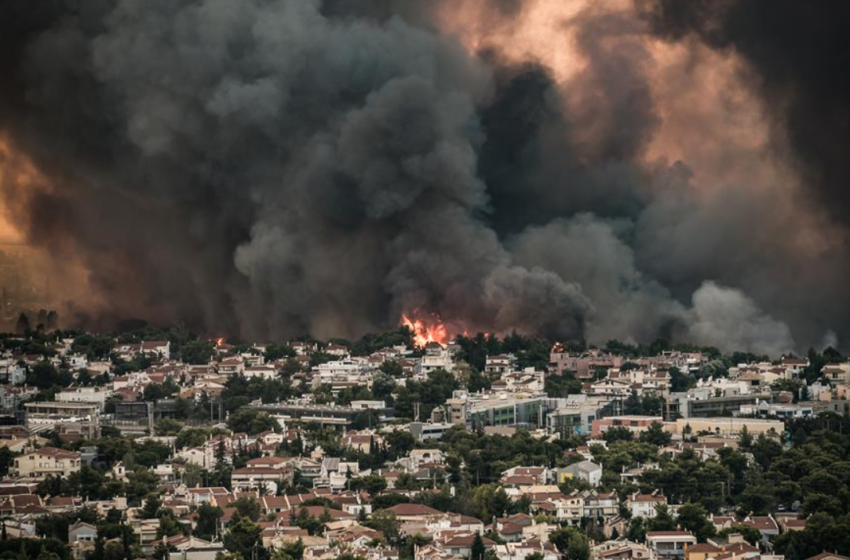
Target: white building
{"points": [[436, 357], [645, 505], [12, 372], [94, 395], [584, 471]]}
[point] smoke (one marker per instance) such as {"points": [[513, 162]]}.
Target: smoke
{"points": [[267, 168], [794, 59], [727, 318]]}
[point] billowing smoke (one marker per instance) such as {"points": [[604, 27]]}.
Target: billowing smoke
{"points": [[268, 168]]}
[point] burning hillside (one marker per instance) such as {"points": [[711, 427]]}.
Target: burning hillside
{"points": [[426, 331]]}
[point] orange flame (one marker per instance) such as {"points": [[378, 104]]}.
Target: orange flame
{"points": [[425, 333]]}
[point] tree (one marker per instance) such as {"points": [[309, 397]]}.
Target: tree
{"points": [[93, 346], [562, 385], [655, 434], [191, 437], [151, 507], [168, 526], [374, 484], [571, 543], [637, 530], [745, 440], [276, 352], [490, 500], [290, 551], [383, 383], [44, 375], [385, 521], [400, 443], [247, 506], [251, 421], [242, 537], [694, 518], [114, 550], [663, 520], [618, 433], [167, 427], [477, 549], [209, 517], [197, 352]]}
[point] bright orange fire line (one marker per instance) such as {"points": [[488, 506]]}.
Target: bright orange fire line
{"points": [[423, 334]]}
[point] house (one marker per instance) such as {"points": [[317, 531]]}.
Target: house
{"points": [[263, 372], [620, 550], [231, 366], [766, 525], [420, 457], [499, 365], [193, 548], [254, 478], [362, 441], [414, 512], [568, 509], [702, 551], [336, 350], [600, 505], [524, 476], [204, 456], [461, 545], [669, 544], [47, 461], [82, 532], [645, 505], [510, 528], [828, 556], [586, 471], [156, 348]]}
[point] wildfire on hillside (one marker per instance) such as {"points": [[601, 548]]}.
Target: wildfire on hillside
{"points": [[426, 331]]}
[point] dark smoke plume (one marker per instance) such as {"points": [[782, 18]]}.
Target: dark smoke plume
{"points": [[797, 53], [273, 167]]}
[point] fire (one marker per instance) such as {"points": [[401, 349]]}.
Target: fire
{"points": [[425, 333]]}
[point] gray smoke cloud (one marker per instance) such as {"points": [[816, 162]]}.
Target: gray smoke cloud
{"points": [[270, 168]]}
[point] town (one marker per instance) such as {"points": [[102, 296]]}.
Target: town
{"points": [[156, 444]]}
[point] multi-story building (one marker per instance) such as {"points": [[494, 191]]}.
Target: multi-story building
{"points": [[669, 545], [435, 357], [499, 365], [837, 374], [727, 426], [11, 371], [52, 415], [635, 424], [718, 398], [645, 505], [46, 461], [338, 417], [586, 365], [93, 395]]}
